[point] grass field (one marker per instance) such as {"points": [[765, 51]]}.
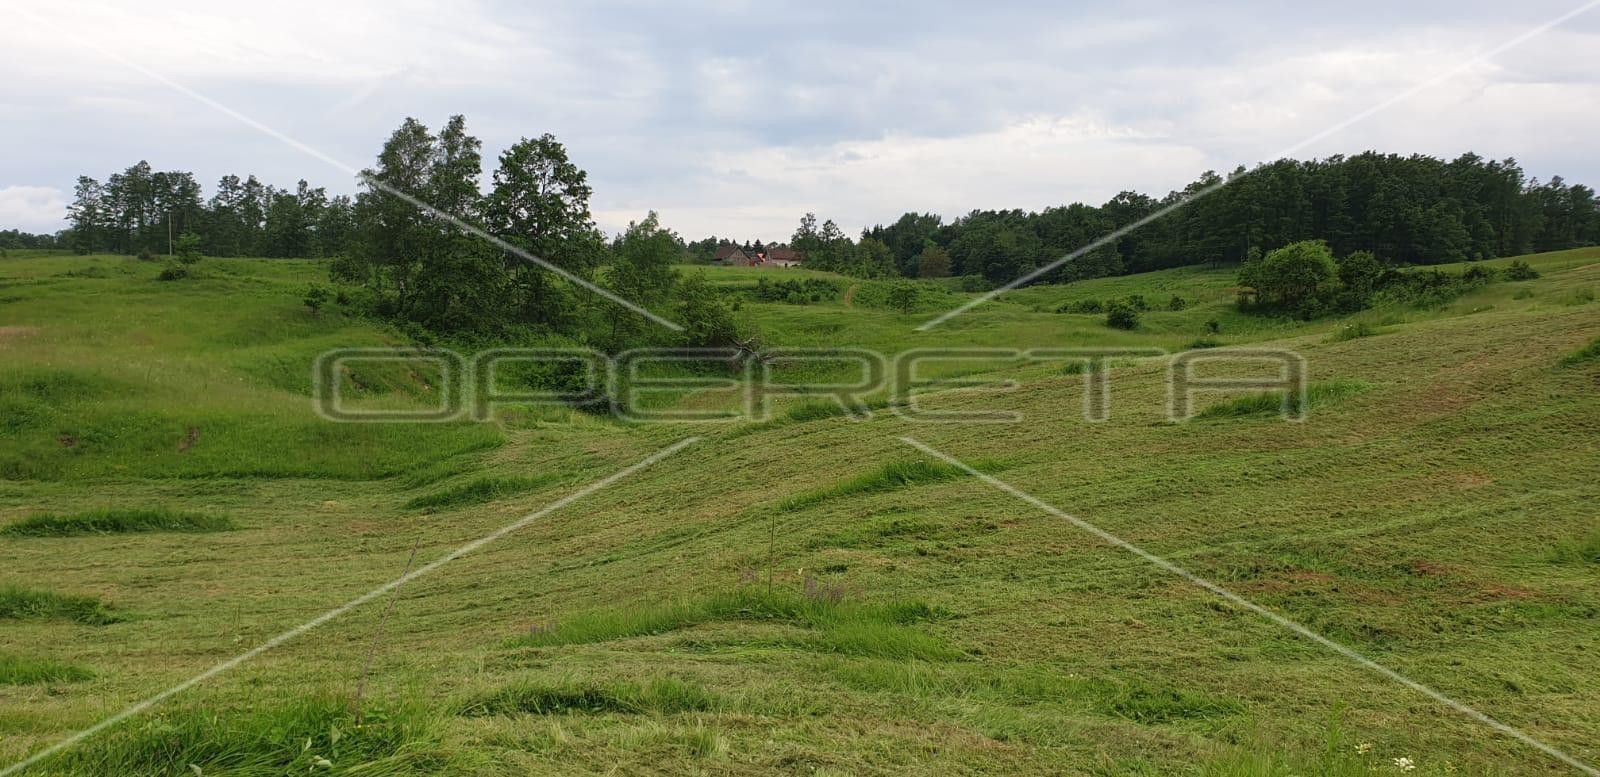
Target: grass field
{"points": [[806, 596]]}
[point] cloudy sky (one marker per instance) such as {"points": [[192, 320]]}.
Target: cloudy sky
{"points": [[734, 118]]}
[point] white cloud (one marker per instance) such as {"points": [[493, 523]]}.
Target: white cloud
{"points": [[33, 208]]}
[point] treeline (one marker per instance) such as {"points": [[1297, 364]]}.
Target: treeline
{"points": [[1406, 210], [141, 210]]}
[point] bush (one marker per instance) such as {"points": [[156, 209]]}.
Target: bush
{"points": [[1177, 303], [146, 256], [317, 296], [1519, 270], [173, 272], [1299, 278], [1082, 306], [796, 291], [1121, 315], [1214, 326], [1136, 301]]}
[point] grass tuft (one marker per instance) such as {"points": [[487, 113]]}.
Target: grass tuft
{"points": [[115, 521], [894, 475], [1273, 402], [1353, 331], [19, 670], [1586, 550], [289, 738], [19, 603], [663, 695], [841, 626], [1586, 355], [480, 491]]}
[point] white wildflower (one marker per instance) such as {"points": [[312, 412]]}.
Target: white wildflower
{"points": [[1364, 748], [1404, 764]]}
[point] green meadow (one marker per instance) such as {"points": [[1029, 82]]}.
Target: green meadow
{"points": [[808, 595]]}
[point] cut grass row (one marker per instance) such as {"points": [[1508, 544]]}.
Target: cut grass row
{"points": [[115, 521], [18, 603], [835, 625], [892, 476]]}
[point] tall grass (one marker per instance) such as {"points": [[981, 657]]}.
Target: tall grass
{"points": [[115, 521], [1273, 402], [28, 604], [1585, 355], [842, 626], [480, 491], [21, 670], [887, 477], [294, 737], [663, 695]]}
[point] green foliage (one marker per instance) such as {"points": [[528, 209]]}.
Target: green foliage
{"points": [[933, 262], [115, 521], [1090, 305], [1581, 551], [20, 603], [1519, 270], [316, 296], [1299, 278], [188, 248], [1177, 303], [1121, 315], [796, 291], [480, 491], [661, 696], [705, 314], [903, 297], [173, 272], [20, 670], [1360, 275]]}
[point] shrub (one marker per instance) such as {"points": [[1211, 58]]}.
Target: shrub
{"points": [[1177, 303], [1214, 326], [188, 248], [1352, 332], [146, 256], [1136, 301], [1519, 270], [172, 272], [796, 291], [1121, 315], [1478, 275], [317, 295], [1299, 278], [1082, 306]]}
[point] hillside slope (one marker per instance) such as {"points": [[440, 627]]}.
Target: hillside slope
{"points": [[813, 596]]}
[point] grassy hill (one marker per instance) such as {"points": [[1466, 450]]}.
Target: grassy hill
{"points": [[806, 597]]}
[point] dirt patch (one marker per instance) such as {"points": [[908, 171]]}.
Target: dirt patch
{"points": [[9, 333], [850, 295], [67, 441], [1427, 568]]}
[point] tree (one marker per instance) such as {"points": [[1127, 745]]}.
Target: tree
{"points": [[1300, 278], [1121, 315], [1359, 275], [641, 272], [188, 248], [317, 296], [933, 262], [704, 314], [903, 296], [540, 203]]}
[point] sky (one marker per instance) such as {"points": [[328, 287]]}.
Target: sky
{"points": [[734, 118]]}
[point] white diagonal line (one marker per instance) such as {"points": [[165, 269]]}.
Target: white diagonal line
{"points": [[1240, 601], [1213, 188], [302, 147], [286, 636]]}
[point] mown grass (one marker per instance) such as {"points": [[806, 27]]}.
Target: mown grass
{"points": [[1317, 395], [662, 696], [481, 491], [843, 626], [903, 473], [20, 603], [22, 670], [309, 735], [115, 521]]}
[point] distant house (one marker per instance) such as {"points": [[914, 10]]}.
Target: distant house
{"points": [[778, 256]]}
